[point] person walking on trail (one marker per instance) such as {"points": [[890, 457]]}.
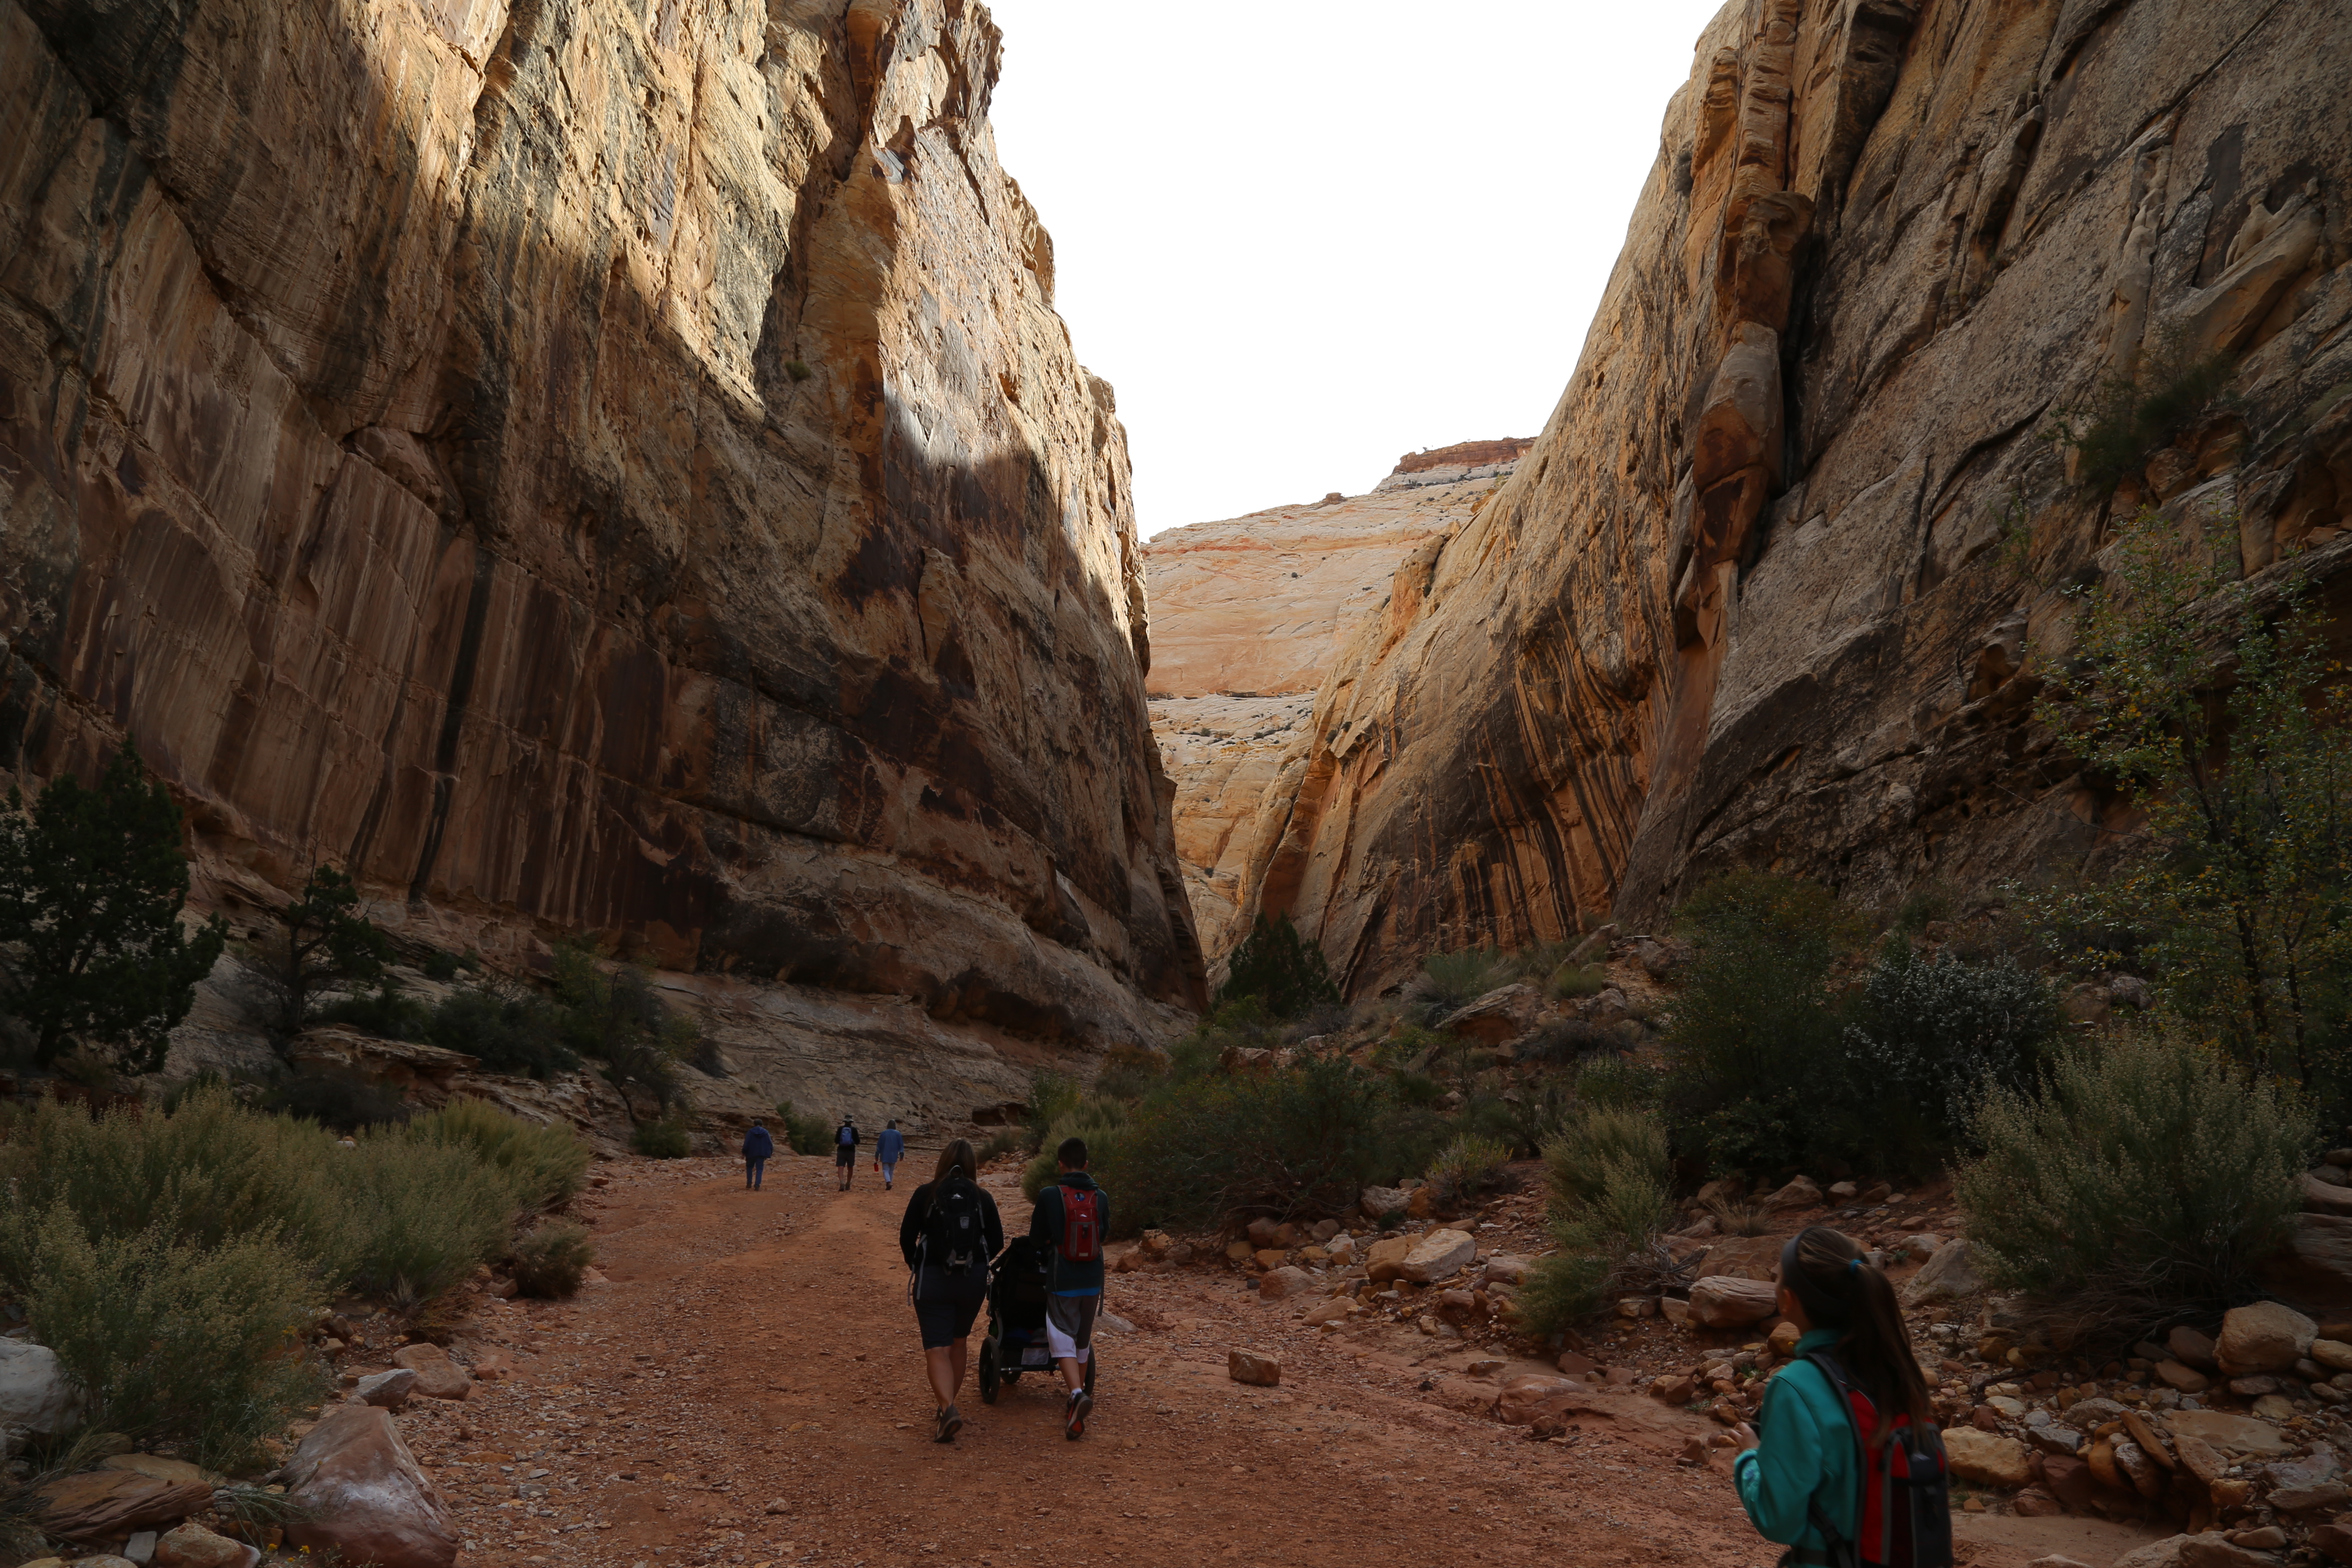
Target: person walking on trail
{"points": [[845, 1152], [948, 1234], [757, 1148], [1848, 1467], [1072, 1216], [888, 1150]]}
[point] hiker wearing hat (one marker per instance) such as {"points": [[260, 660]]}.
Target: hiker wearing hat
{"points": [[1848, 1468]]}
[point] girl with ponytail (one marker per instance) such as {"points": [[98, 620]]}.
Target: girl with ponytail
{"points": [[1817, 1480]]}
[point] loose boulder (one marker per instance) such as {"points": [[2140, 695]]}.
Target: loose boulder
{"points": [[385, 1390], [437, 1377], [2223, 1432], [1260, 1369], [1277, 1283], [1498, 1017], [193, 1546], [1723, 1302], [1987, 1458], [1385, 1261], [1439, 1255], [1946, 1276], [1801, 1193], [1378, 1202], [108, 1505], [2268, 1336], [36, 1398], [365, 1495]]}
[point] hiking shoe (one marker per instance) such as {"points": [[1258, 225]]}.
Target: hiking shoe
{"points": [[951, 1423], [1073, 1424]]}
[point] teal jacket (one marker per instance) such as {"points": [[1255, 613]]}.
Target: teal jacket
{"points": [[1806, 1449]]}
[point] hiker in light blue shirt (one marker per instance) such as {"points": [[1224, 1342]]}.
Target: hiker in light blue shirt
{"points": [[888, 1150]]}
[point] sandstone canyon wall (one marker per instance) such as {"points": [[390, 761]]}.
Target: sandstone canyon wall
{"points": [[1767, 589], [588, 466], [1247, 615]]}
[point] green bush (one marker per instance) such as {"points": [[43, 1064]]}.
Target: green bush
{"points": [[1579, 980], [1051, 1096], [1099, 1121], [201, 1346], [421, 1215], [509, 1029], [386, 1011], [1466, 1167], [440, 965], [806, 1134], [2130, 420], [615, 1016], [1002, 1141], [1618, 1080], [1279, 967], [1219, 1150], [551, 1261], [2148, 1179], [545, 1162], [1576, 1162], [1129, 1072], [669, 1139], [1562, 1291], [1243, 1025], [342, 1102], [1940, 1033], [1452, 980]]}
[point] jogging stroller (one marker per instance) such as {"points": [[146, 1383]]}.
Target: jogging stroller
{"points": [[1015, 1342]]}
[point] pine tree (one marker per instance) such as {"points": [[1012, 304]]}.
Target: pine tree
{"points": [[92, 886], [322, 944], [1281, 967]]}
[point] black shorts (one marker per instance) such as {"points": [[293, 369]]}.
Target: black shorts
{"points": [[843, 1154], [946, 1304]]}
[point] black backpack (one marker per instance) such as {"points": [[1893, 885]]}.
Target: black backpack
{"points": [[955, 1233], [1906, 1489]]}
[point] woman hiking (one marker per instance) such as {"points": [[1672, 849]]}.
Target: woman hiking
{"points": [[1848, 1467], [949, 1232]]}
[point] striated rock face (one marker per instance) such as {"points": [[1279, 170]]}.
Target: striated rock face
{"points": [[1764, 590], [1247, 615], [585, 466]]}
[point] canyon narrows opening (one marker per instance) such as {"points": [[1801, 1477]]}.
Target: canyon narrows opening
{"points": [[579, 667]]}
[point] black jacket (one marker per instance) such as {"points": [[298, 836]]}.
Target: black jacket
{"points": [[918, 1209], [1045, 1224]]}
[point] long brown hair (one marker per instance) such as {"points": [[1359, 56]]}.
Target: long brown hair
{"points": [[957, 1154], [1842, 1291]]}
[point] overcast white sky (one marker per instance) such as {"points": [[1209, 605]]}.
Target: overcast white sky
{"points": [[1303, 237]]}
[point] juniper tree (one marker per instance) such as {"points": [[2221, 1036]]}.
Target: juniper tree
{"points": [[92, 883]]}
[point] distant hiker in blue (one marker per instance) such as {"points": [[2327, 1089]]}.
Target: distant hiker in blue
{"points": [[757, 1147], [888, 1150], [845, 1152]]}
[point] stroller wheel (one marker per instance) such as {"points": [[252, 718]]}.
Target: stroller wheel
{"points": [[987, 1372]]}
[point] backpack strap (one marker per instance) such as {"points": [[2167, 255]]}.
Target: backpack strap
{"points": [[1851, 1551]]}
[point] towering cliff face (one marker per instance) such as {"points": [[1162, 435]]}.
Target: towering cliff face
{"points": [[1248, 615], [586, 466], [1764, 590]]}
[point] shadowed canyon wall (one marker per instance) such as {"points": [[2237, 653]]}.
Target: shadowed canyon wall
{"points": [[1247, 615], [586, 465], [1767, 589]]}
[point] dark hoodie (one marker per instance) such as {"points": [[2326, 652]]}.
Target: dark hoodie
{"points": [[758, 1145], [1045, 1224]]}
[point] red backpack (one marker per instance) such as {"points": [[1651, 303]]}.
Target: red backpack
{"points": [[1907, 1499], [1081, 1225]]}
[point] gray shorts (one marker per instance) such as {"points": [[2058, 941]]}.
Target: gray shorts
{"points": [[1070, 1325]]}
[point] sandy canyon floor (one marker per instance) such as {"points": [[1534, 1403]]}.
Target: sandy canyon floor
{"points": [[744, 1389]]}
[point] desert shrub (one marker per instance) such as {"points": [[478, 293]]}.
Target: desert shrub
{"points": [[1051, 1096], [1098, 1121], [1579, 980], [387, 1011], [1922, 906], [322, 944], [1244, 1025], [1940, 1033], [1219, 1150], [1467, 1167], [440, 965], [1558, 1041], [1452, 980], [1562, 1291], [1576, 1162], [671, 1137], [422, 1214], [509, 1029], [1002, 1141], [550, 1262], [1533, 1119], [1279, 967], [1612, 1078], [615, 1016], [546, 1163], [2129, 420], [198, 1345], [1129, 1072], [342, 1102], [1737, 1218], [806, 1134], [2147, 1178]]}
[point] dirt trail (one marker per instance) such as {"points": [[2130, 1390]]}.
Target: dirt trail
{"points": [[746, 1390]]}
